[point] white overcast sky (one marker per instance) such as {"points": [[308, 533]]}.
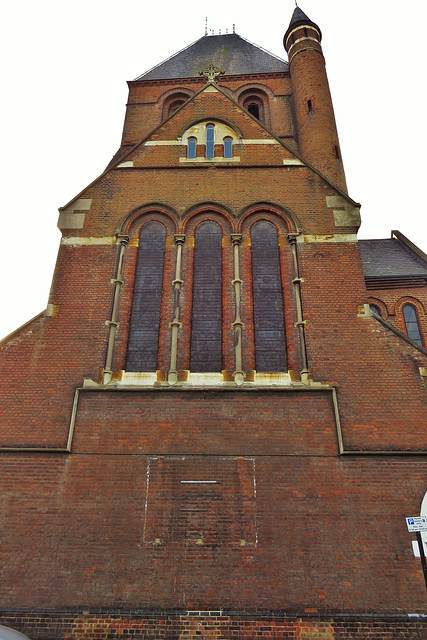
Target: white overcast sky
{"points": [[65, 67]]}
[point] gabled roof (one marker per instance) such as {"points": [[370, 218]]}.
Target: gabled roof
{"points": [[230, 53], [391, 259]]}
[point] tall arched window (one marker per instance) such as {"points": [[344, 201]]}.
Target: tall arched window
{"points": [[228, 147], [206, 325], [147, 299], [269, 323], [411, 323], [210, 141], [191, 147]]}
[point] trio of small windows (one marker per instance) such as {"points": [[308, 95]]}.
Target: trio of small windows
{"points": [[207, 304], [209, 145]]}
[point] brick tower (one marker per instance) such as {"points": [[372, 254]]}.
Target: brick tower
{"points": [[217, 426]]}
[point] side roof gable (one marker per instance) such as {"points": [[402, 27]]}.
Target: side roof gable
{"points": [[230, 52]]}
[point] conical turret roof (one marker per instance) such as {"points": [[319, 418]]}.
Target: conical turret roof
{"points": [[230, 53], [299, 17]]}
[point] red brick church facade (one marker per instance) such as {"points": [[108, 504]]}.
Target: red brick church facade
{"points": [[218, 425]]}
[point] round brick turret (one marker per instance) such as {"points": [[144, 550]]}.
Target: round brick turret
{"points": [[316, 127]]}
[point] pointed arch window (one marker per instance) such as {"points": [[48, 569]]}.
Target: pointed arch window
{"points": [[147, 299], [269, 323], [206, 326], [411, 323]]}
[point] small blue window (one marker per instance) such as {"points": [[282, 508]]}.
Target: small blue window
{"points": [[228, 147], [412, 324], [210, 141], [191, 147]]}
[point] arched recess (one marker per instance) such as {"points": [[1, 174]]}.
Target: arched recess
{"points": [[152, 211], [143, 341], [208, 138], [206, 321], [173, 100], [285, 221], [268, 306], [135, 278], [208, 210], [211, 347], [268, 262], [256, 101]]}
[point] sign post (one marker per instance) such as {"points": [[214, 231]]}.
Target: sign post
{"points": [[417, 525]]}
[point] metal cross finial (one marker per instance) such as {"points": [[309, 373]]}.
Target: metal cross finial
{"points": [[211, 72]]}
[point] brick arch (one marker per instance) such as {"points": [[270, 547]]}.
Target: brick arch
{"points": [[208, 211], [399, 304], [169, 97], [381, 305], [267, 212], [141, 215], [214, 120], [259, 95], [254, 87]]}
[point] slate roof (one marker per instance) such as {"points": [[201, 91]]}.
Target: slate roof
{"points": [[299, 17], [389, 258], [229, 52]]}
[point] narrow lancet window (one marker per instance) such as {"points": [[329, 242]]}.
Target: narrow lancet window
{"points": [[206, 329], [228, 147], [411, 323], [210, 141], [147, 299], [191, 147], [269, 323]]}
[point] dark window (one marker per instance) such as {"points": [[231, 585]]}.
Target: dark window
{"points": [[411, 323], [337, 153], [253, 109], [210, 141], [191, 147], [269, 325], [305, 32], [256, 102], [206, 330], [375, 309], [147, 299], [228, 147], [309, 106]]}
